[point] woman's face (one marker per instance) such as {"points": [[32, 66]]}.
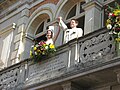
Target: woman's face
{"points": [[73, 24], [49, 34]]}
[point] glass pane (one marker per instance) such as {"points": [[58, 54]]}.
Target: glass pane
{"points": [[72, 12], [40, 29]]}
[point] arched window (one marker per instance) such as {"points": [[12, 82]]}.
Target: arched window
{"points": [[72, 12], [78, 13], [41, 28]]}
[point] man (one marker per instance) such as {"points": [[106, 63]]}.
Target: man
{"points": [[72, 33]]}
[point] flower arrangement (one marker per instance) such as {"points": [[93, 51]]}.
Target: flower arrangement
{"points": [[41, 50], [113, 21]]}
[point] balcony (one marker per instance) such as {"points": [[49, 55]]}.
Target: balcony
{"points": [[83, 61]]}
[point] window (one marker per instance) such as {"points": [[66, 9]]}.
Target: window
{"points": [[78, 13], [72, 12], [41, 30]]}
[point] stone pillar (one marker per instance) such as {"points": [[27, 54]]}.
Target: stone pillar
{"points": [[93, 16], [18, 40], [28, 42], [70, 86]]}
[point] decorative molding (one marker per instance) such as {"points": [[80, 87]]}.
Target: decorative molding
{"points": [[13, 14], [108, 1], [53, 67], [9, 28], [32, 9], [91, 4], [29, 36], [96, 48], [12, 78]]}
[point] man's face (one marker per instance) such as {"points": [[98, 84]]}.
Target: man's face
{"points": [[73, 24]]}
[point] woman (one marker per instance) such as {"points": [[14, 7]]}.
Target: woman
{"points": [[70, 34], [50, 35]]}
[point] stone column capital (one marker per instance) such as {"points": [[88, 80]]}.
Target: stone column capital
{"points": [[92, 4]]}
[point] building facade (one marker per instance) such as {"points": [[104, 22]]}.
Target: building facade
{"points": [[22, 21]]}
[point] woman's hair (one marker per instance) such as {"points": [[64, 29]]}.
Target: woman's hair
{"points": [[76, 21]]}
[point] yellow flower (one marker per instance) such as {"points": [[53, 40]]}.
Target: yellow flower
{"points": [[35, 48], [44, 45], [117, 39], [31, 54], [108, 22], [52, 46], [38, 51], [116, 12]]}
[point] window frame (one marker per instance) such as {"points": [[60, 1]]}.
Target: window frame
{"points": [[44, 28], [78, 14]]}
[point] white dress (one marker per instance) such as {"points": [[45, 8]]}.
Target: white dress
{"points": [[50, 41]]}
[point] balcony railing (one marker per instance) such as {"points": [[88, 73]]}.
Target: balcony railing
{"points": [[93, 50]]}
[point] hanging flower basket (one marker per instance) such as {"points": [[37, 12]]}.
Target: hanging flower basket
{"points": [[113, 23]]}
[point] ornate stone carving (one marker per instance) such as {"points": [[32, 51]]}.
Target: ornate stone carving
{"points": [[96, 48], [12, 78], [9, 79], [54, 67]]}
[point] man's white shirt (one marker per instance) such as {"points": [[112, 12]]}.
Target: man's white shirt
{"points": [[72, 34]]}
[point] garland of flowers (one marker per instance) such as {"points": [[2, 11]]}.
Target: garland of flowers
{"points": [[41, 50], [113, 21]]}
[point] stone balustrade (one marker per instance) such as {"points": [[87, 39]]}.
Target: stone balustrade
{"points": [[77, 56]]}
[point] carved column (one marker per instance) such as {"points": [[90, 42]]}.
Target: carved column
{"points": [[71, 86], [93, 16]]}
